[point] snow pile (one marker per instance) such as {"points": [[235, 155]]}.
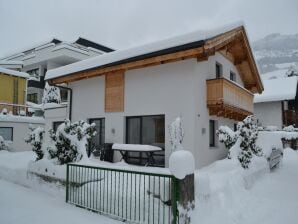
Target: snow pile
{"points": [[221, 187], [135, 147], [15, 118], [14, 168], [268, 140], [181, 162], [51, 94]]}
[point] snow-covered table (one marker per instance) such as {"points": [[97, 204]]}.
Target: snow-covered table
{"points": [[147, 149]]}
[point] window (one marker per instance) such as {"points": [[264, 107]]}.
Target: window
{"points": [[235, 126], [63, 94], [56, 125], [99, 138], [212, 128], [32, 97], [232, 76], [6, 133], [218, 70], [148, 130], [34, 73]]}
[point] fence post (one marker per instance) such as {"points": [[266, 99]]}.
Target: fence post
{"points": [[67, 182], [184, 198]]}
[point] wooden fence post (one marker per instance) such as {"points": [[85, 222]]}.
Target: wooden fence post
{"points": [[186, 198]]}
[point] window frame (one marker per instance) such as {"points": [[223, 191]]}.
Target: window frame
{"points": [[54, 123], [233, 76], [35, 97], [36, 76], [102, 120], [213, 143], [11, 128], [142, 156], [218, 65]]}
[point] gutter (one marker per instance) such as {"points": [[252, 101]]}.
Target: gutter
{"points": [[70, 98]]}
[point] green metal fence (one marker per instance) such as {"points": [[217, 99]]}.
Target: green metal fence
{"points": [[131, 196]]}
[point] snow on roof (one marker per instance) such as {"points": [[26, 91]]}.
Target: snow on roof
{"points": [[4, 62], [277, 90], [140, 50], [13, 72], [277, 74]]}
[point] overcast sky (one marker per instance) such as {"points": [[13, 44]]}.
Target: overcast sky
{"points": [[125, 23]]}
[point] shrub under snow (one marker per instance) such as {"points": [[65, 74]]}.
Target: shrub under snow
{"points": [[3, 144], [70, 142], [181, 162], [226, 136], [51, 94], [35, 139]]}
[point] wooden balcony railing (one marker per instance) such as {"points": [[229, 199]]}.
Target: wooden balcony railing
{"points": [[228, 99]]}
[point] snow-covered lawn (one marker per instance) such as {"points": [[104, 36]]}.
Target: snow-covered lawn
{"points": [[225, 194], [21, 205], [271, 198]]}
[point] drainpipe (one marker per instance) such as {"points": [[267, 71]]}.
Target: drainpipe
{"points": [[70, 98]]}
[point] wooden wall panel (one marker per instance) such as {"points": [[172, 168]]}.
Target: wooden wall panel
{"points": [[114, 92]]}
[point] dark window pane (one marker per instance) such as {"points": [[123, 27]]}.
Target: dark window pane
{"points": [[134, 130], [218, 70], [212, 133], [233, 76], [56, 125], [6, 133], [99, 138]]}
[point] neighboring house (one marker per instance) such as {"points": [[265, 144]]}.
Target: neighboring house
{"points": [[13, 87], [133, 95], [14, 124], [278, 104], [55, 53]]}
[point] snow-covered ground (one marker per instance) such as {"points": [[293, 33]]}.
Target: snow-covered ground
{"points": [[271, 197], [225, 193], [21, 205]]}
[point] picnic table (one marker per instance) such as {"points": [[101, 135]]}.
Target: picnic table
{"points": [[147, 149]]}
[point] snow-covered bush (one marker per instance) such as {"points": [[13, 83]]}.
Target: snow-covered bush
{"points": [[3, 144], [176, 133], [70, 141], [248, 134], [35, 139], [226, 136], [51, 94], [181, 162], [4, 111]]}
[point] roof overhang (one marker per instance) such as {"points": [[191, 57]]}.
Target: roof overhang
{"points": [[233, 44]]}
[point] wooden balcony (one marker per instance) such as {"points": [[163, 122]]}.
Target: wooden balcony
{"points": [[228, 99]]}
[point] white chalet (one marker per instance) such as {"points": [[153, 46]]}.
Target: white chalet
{"points": [[207, 78]]}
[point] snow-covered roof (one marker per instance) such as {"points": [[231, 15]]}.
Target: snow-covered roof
{"points": [[278, 90], [14, 73], [5, 62], [120, 55]]}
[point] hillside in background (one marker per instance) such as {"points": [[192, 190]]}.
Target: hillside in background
{"points": [[276, 52]]}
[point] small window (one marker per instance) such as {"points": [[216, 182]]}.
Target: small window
{"points": [[218, 70], [99, 138], [6, 133], [32, 97], [212, 129], [235, 126], [232, 76], [63, 95], [56, 125]]}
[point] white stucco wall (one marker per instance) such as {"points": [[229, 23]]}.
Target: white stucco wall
{"points": [[172, 89], [20, 132], [269, 113]]}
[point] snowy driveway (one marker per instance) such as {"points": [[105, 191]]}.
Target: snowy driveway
{"points": [[20, 205]]}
